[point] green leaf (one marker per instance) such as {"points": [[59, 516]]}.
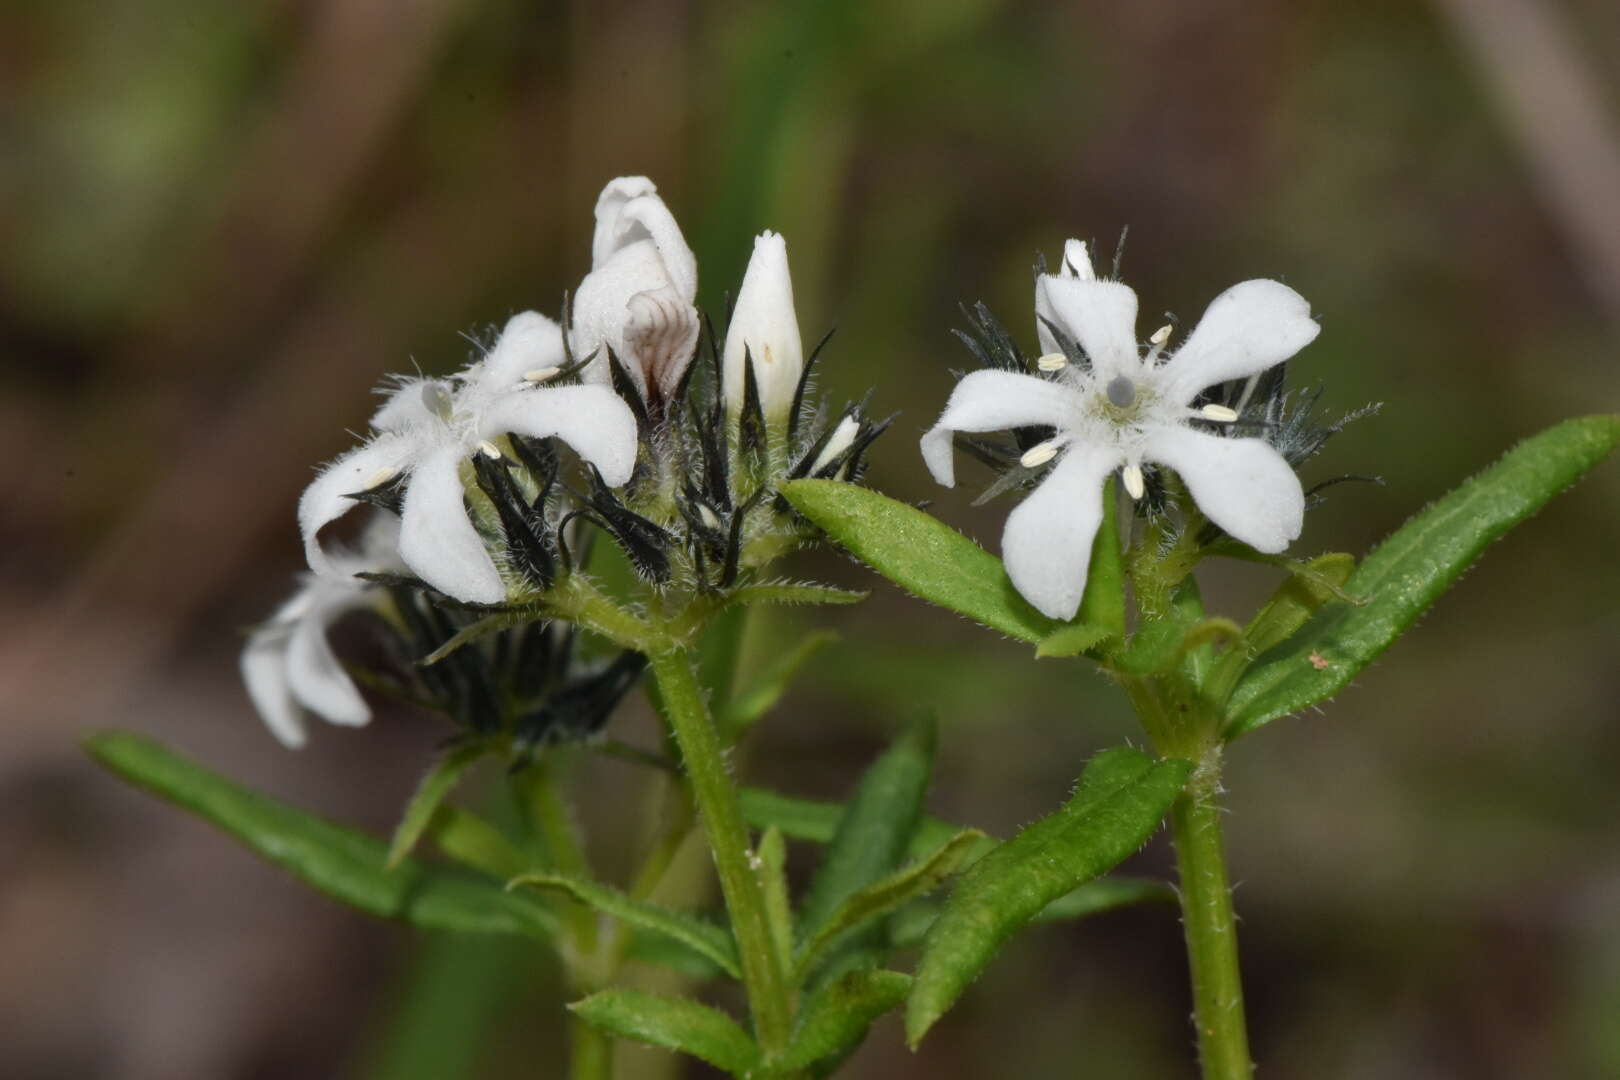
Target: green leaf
{"points": [[773, 883], [792, 592], [1162, 640], [435, 786], [767, 688], [673, 1023], [817, 822], [345, 864], [921, 554], [1409, 571], [1106, 894], [911, 925], [909, 883], [1103, 605], [872, 835], [1297, 598], [1072, 640], [472, 841], [711, 941], [1121, 800], [834, 1020]]}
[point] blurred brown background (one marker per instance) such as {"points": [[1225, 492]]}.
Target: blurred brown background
{"points": [[221, 223]]}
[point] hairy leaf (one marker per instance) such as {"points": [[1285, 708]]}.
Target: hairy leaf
{"points": [[1094, 897], [834, 1020], [345, 864], [432, 791], [711, 941], [1409, 571], [673, 1023], [1121, 800], [921, 554]]}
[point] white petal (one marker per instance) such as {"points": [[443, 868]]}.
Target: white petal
{"points": [[994, 401], [601, 308], [264, 671], [1248, 328], [660, 337], [1047, 542], [629, 210], [326, 500], [528, 342], [1242, 485], [1100, 315], [316, 678], [764, 326], [592, 419], [437, 540]]}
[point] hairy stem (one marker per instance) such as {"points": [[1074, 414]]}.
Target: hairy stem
{"points": [[1211, 930], [590, 1052], [716, 798]]}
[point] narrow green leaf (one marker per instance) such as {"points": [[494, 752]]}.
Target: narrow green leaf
{"points": [[434, 788], [761, 696], [1121, 800], [700, 935], [1409, 571], [773, 883], [345, 864], [792, 592], [1103, 604], [921, 554], [1162, 640], [1106, 894], [1297, 598], [890, 894], [817, 822], [1072, 640], [834, 1020], [910, 925], [472, 841], [672, 1023], [872, 835]]}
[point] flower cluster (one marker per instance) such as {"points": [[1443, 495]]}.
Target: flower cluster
{"points": [[626, 419], [1103, 403]]}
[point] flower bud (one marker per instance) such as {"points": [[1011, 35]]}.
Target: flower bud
{"points": [[764, 329], [638, 299]]}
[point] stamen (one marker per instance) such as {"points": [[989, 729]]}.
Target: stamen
{"points": [[1121, 392], [1135, 486], [1041, 453], [1052, 361], [1218, 413], [489, 449], [540, 375], [381, 477], [1160, 336]]}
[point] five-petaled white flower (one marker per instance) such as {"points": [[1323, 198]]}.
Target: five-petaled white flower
{"points": [[764, 331], [1129, 409], [288, 665], [429, 427], [638, 299]]}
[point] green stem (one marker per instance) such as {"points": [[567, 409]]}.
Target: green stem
{"points": [[590, 1052], [716, 798], [1211, 930]]}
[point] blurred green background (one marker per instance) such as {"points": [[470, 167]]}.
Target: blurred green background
{"points": [[221, 223]]}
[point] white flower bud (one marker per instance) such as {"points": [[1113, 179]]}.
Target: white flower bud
{"points": [[764, 327]]}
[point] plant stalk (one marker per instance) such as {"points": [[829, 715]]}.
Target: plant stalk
{"points": [[716, 797], [590, 1052], [1211, 930]]}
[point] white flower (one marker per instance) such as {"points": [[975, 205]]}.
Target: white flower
{"points": [[638, 299], [764, 328], [288, 665], [428, 428], [1127, 410]]}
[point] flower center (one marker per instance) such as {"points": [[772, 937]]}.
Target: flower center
{"points": [[1121, 392]]}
